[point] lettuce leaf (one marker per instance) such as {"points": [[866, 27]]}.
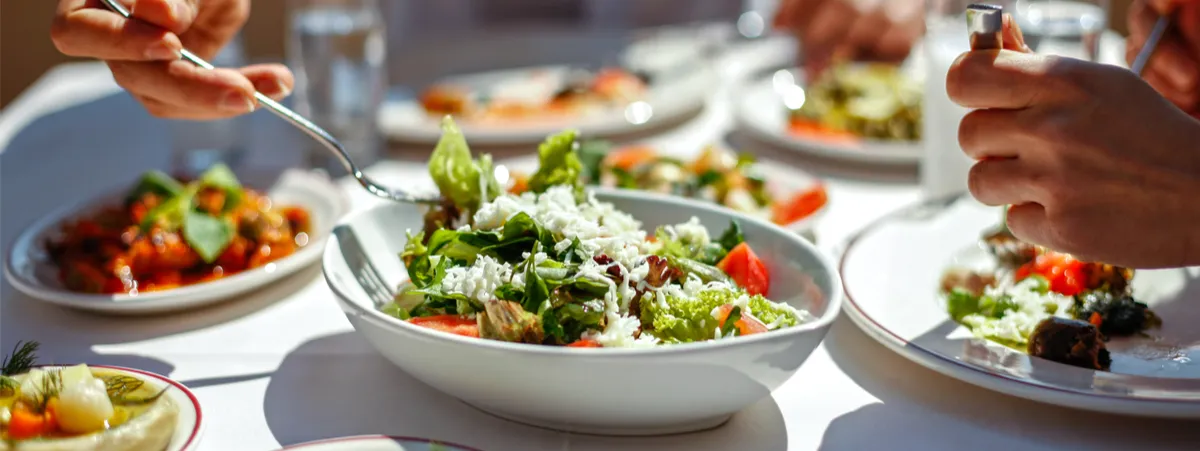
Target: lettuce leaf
{"points": [[466, 182], [687, 320], [558, 163]]}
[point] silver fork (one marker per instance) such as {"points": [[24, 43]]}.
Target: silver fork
{"points": [[309, 128], [364, 271]]}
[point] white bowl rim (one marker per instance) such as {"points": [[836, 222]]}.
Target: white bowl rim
{"points": [[194, 437], [833, 305], [374, 438]]}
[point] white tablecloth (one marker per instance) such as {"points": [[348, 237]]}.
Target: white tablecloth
{"points": [[283, 365]]}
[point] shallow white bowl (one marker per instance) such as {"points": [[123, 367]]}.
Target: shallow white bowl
{"points": [[30, 270], [190, 423], [668, 389]]}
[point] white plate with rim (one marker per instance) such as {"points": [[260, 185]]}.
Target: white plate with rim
{"points": [[782, 180], [378, 443], [891, 272], [760, 110], [404, 119], [190, 423], [29, 269]]}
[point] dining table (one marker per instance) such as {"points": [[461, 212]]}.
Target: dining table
{"points": [[282, 365]]}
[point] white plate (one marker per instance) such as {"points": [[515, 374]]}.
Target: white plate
{"points": [[30, 270], [671, 99], [760, 110], [190, 424], [378, 443], [781, 178], [891, 272], [661, 390]]}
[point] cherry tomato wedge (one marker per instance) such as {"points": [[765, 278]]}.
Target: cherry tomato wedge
{"points": [[747, 325], [455, 324], [1066, 275], [585, 344], [630, 157], [746, 270], [801, 205], [817, 132]]}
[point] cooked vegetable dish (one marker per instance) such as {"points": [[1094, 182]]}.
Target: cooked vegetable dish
{"points": [[168, 234], [555, 266], [718, 175], [541, 95], [63, 408], [1049, 304], [854, 101]]}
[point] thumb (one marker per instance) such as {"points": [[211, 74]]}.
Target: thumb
{"points": [[1013, 38], [174, 15]]}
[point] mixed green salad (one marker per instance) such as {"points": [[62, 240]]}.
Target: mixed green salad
{"points": [[555, 266]]}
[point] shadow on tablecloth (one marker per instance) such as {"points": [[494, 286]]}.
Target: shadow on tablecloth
{"points": [[922, 409], [337, 385]]}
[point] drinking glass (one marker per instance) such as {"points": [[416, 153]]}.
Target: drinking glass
{"points": [[337, 49], [1070, 28], [197, 145]]}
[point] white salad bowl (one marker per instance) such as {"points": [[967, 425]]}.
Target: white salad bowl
{"points": [[662, 390]]}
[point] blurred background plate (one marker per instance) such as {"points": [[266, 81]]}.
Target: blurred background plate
{"points": [[378, 443]]}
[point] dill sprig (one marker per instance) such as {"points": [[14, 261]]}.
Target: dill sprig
{"points": [[120, 385], [21, 360]]}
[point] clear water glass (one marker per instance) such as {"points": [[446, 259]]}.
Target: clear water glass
{"points": [[197, 145], [337, 49], [1070, 28], [944, 166]]}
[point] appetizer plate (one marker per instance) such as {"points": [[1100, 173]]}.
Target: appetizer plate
{"points": [[378, 443], [782, 178], [892, 271], [760, 110], [670, 99], [30, 270], [662, 390], [190, 423]]}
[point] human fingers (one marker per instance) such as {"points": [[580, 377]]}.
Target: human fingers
{"points": [[183, 86], [1028, 222], [1003, 181], [1172, 58], [173, 15], [796, 14], [79, 30], [1186, 101], [1014, 39], [216, 23], [992, 134], [1012, 80], [274, 80], [829, 26]]}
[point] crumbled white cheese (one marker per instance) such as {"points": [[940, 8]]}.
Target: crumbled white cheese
{"points": [[618, 333], [478, 281], [690, 232]]}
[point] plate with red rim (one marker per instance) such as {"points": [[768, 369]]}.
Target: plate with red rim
{"points": [[189, 425], [892, 271], [760, 110], [378, 443], [29, 269]]}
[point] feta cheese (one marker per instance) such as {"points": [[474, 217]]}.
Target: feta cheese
{"points": [[478, 281]]}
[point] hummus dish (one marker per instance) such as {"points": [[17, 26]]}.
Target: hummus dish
{"points": [[80, 408]]}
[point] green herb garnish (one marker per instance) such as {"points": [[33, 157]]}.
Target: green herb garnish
{"points": [[21, 360], [205, 233]]}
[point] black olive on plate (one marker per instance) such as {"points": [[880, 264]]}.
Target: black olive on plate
{"points": [[1070, 342], [1119, 314]]}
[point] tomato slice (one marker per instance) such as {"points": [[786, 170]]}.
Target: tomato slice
{"points": [[746, 270], [747, 325], [454, 324], [801, 205], [1066, 275], [630, 157], [583, 343]]}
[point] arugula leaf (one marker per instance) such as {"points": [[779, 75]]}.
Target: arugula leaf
{"points": [[625, 179], [730, 326], [416, 260], [219, 176], [706, 273], [558, 163], [591, 156], [708, 177], [458, 177], [509, 292], [155, 182], [169, 215], [732, 237], [551, 327], [208, 236], [536, 290]]}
